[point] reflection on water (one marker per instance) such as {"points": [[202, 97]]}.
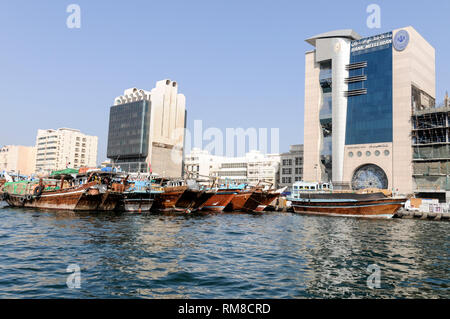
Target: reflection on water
{"points": [[274, 255]]}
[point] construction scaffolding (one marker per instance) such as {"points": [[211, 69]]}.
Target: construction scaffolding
{"points": [[431, 149]]}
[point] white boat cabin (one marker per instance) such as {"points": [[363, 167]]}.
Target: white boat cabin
{"points": [[308, 187]]}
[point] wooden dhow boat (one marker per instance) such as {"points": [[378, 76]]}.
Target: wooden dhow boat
{"points": [[181, 197], [361, 204], [138, 195], [254, 199], [220, 199], [77, 193]]}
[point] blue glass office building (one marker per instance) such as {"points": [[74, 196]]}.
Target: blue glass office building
{"points": [[360, 96], [369, 105]]}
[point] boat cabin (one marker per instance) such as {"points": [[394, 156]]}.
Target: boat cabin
{"points": [[308, 187]]}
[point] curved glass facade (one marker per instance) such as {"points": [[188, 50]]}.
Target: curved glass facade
{"points": [[325, 115]]}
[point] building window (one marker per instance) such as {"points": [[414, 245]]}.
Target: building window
{"points": [[350, 154], [359, 154], [386, 153], [368, 153]]}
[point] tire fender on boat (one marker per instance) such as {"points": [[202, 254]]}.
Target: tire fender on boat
{"points": [[38, 190]]}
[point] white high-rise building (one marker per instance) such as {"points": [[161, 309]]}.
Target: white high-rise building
{"points": [[65, 147]]}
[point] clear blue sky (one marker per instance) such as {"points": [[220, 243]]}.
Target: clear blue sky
{"points": [[239, 63]]}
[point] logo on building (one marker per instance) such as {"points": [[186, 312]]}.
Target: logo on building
{"points": [[401, 40]]}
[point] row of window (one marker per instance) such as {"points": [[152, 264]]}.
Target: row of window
{"points": [[369, 153], [288, 180], [45, 159], [192, 168], [288, 171], [241, 173], [234, 165], [288, 162], [47, 148]]}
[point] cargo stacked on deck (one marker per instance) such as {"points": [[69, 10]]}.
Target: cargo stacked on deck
{"points": [[66, 190]]}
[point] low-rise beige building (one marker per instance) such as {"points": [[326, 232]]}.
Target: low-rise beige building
{"points": [[18, 159], [65, 147]]}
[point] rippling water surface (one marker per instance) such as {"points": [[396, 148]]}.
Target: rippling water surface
{"points": [[274, 255]]}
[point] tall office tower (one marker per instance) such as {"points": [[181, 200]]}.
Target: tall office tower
{"points": [[359, 101], [146, 130]]}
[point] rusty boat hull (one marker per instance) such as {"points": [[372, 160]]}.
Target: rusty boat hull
{"points": [[83, 198], [381, 207]]}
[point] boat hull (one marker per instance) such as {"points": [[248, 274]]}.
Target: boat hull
{"points": [[137, 205], [181, 199], [82, 198], [218, 201], [136, 202], [369, 208], [252, 201], [167, 200], [263, 200], [238, 201]]}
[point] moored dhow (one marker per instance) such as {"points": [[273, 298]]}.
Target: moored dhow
{"points": [[181, 196], [139, 194], [369, 204], [253, 199], [93, 192], [222, 197], [385, 207]]}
